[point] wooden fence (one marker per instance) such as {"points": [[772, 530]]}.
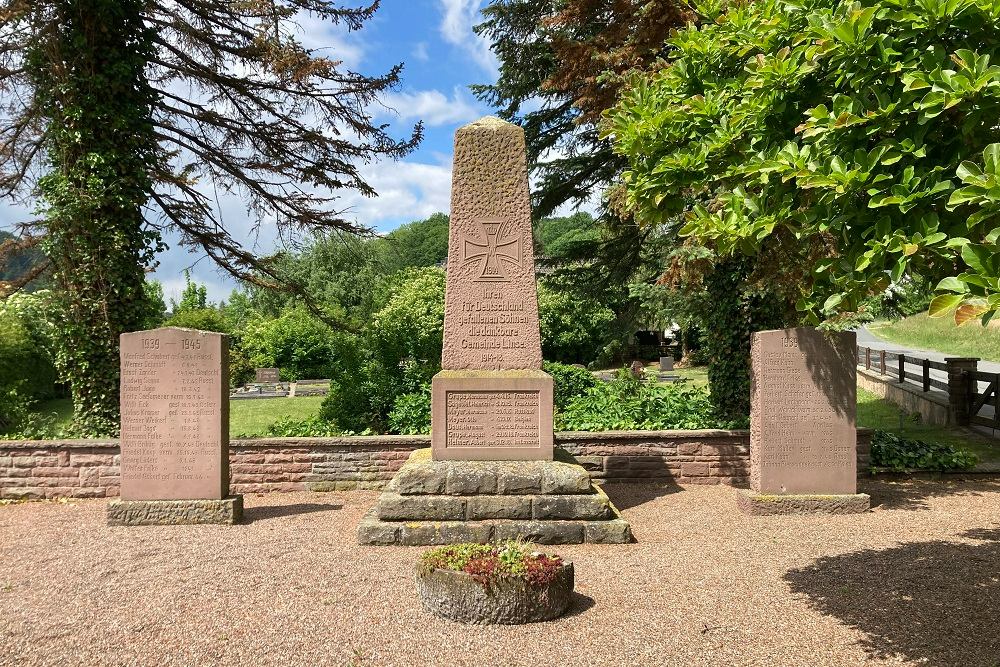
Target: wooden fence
{"points": [[968, 404]]}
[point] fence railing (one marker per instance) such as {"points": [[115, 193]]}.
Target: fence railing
{"points": [[967, 403]]}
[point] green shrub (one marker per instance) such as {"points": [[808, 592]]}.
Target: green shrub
{"points": [[628, 404], [411, 413], [893, 452], [27, 346], [397, 353], [569, 381], [299, 344], [573, 328], [313, 427], [202, 319]]}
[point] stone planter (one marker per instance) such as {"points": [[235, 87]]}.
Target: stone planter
{"points": [[508, 601]]}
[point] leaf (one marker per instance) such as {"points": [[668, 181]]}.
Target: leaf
{"points": [[942, 304], [832, 302], [909, 249], [968, 312], [952, 284]]}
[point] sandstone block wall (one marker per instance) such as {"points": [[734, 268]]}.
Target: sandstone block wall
{"points": [[90, 468]]}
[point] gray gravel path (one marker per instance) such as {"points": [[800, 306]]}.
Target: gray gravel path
{"points": [[916, 581]]}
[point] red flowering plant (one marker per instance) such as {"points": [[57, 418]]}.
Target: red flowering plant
{"points": [[488, 563]]}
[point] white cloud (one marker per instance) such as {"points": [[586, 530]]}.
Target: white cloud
{"points": [[432, 106], [457, 19], [330, 40], [420, 52], [406, 191]]}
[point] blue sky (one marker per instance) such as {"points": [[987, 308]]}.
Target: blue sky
{"points": [[442, 58]]}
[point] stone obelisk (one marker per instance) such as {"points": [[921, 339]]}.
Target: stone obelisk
{"points": [[491, 401]]}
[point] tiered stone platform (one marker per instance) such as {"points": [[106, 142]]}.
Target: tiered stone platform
{"points": [[445, 502]]}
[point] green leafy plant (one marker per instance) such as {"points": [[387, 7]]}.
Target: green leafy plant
{"points": [[488, 563], [569, 381], [628, 404], [411, 413], [896, 453], [825, 137]]}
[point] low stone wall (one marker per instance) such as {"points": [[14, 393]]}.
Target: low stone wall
{"points": [[89, 468], [932, 406]]}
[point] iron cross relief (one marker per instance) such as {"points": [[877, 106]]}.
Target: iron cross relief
{"points": [[500, 246]]}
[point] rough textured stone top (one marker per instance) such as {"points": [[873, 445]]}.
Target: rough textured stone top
{"points": [[491, 307]]}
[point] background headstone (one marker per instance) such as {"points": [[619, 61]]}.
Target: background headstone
{"points": [[175, 415], [491, 400], [803, 403], [267, 375]]}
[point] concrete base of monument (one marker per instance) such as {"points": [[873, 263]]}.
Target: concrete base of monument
{"points": [[758, 504], [228, 510], [446, 502]]}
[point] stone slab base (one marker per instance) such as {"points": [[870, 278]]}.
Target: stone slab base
{"points": [[444, 502], [374, 531], [175, 512], [762, 505]]}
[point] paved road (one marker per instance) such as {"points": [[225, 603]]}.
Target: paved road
{"points": [[867, 339]]}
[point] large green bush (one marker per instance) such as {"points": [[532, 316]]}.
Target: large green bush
{"points": [[569, 382], [27, 345], [899, 454], [574, 328], [397, 353], [299, 344], [828, 137]]}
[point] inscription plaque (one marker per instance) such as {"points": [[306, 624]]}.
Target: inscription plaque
{"points": [[174, 415], [491, 399], [267, 375], [802, 418]]}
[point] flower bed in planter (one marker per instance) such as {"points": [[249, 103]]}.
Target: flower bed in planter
{"points": [[504, 583]]}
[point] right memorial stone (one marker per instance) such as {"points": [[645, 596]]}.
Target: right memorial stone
{"points": [[803, 438]]}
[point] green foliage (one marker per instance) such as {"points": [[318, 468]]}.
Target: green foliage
{"points": [[896, 453], [101, 149], [487, 563], [155, 309], [411, 413], [204, 319], [194, 296], [569, 382], [417, 244], [628, 404], [826, 136], [311, 427], [296, 342], [27, 348], [397, 352], [573, 327]]}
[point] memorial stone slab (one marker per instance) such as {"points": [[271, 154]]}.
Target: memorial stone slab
{"points": [[491, 401], [267, 375], [803, 402], [175, 415]]}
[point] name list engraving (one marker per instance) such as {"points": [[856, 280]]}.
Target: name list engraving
{"points": [[170, 414], [493, 419]]}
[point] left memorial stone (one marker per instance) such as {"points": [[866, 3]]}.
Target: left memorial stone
{"points": [[174, 430]]}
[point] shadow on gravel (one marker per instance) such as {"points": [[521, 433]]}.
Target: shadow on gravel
{"points": [[912, 494], [254, 514], [626, 495], [580, 604], [934, 603]]}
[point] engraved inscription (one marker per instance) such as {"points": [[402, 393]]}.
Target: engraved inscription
{"points": [[171, 415], [492, 419], [800, 442], [499, 243]]}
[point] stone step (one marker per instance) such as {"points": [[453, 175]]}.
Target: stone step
{"points": [[374, 531], [393, 506], [421, 475]]}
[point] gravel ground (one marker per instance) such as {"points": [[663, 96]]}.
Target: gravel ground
{"points": [[913, 582]]}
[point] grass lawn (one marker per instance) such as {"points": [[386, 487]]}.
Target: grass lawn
{"points": [[873, 412], [941, 334], [250, 417]]}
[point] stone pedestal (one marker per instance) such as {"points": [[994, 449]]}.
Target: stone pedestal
{"points": [[491, 415], [175, 512], [443, 502], [803, 440], [174, 429]]}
